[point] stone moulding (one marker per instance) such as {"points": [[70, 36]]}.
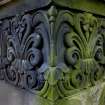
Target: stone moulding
{"points": [[2, 2], [21, 6], [55, 49]]}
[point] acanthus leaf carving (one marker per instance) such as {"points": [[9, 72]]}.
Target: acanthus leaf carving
{"points": [[56, 52], [25, 52]]}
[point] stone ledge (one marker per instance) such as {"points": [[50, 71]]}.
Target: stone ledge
{"points": [[84, 5], [21, 6], [92, 96]]}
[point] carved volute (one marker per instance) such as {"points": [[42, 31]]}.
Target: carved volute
{"points": [[54, 49]]}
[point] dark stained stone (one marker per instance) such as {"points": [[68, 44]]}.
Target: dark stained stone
{"points": [[21, 6]]}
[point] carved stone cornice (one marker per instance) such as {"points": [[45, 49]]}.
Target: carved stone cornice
{"points": [[21, 6], [55, 51]]}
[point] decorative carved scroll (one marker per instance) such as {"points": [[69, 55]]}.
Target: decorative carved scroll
{"points": [[79, 55], [25, 50], [55, 53]]}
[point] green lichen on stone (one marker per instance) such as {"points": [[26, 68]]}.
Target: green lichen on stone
{"points": [[90, 96], [93, 6], [83, 55], [102, 97]]}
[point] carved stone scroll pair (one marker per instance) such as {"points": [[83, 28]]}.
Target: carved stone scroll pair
{"points": [[54, 53]]}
